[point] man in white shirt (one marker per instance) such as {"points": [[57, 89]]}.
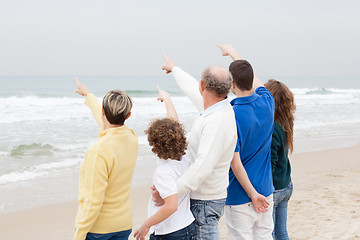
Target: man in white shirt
{"points": [[212, 141]]}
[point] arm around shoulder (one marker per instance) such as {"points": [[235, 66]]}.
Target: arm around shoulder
{"points": [[207, 157]]}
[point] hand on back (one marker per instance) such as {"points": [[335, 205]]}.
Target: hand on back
{"points": [[260, 203], [155, 195]]}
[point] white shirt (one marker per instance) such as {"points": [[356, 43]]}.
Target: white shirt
{"points": [[165, 179], [212, 142]]}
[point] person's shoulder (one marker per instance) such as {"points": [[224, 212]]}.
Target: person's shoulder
{"points": [[262, 90], [223, 112], [164, 174], [164, 169], [278, 129], [130, 130], [97, 146], [265, 94], [102, 143], [97, 152]]}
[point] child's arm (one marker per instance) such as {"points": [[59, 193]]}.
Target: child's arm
{"points": [[170, 109], [170, 206], [91, 101]]}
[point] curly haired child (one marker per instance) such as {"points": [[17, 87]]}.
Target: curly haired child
{"points": [[172, 220]]}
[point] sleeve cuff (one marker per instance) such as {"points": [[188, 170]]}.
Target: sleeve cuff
{"points": [[90, 98]]}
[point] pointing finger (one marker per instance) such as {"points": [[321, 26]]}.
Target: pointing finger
{"points": [[77, 81], [165, 56], [158, 88]]}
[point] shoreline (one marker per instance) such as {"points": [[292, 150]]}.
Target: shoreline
{"points": [[325, 203]]}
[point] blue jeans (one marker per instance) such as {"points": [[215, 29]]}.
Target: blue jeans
{"points": [[281, 199], [123, 235], [187, 233], [207, 214]]}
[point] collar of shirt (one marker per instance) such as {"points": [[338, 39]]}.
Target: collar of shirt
{"points": [[217, 106], [173, 164], [171, 161], [113, 131], [244, 100]]}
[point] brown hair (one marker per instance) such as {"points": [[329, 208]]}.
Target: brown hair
{"points": [[117, 105], [284, 109], [167, 138], [242, 73]]}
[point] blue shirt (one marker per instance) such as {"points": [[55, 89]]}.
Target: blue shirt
{"points": [[254, 116]]}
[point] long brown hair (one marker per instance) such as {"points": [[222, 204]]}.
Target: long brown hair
{"points": [[284, 109]]}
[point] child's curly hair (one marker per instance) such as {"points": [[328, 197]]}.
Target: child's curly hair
{"points": [[167, 138]]}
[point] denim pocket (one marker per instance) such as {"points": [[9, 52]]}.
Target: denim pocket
{"points": [[198, 210], [291, 185], [214, 210]]}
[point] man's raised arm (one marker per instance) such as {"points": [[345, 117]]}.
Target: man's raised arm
{"points": [[186, 82], [228, 50]]}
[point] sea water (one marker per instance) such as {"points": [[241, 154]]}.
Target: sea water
{"points": [[46, 129]]}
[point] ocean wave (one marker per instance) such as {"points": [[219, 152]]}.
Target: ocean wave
{"points": [[38, 171], [147, 93], [38, 101], [35, 109], [19, 176], [144, 95], [308, 125], [34, 149], [44, 149], [320, 91], [324, 91], [4, 153]]}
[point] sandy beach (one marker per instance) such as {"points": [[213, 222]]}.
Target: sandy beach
{"points": [[325, 203]]}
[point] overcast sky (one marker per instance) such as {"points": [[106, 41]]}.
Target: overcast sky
{"points": [[113, 37]]}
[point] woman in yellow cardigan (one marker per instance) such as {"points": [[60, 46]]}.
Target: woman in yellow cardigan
{"points": [[105, 210]]}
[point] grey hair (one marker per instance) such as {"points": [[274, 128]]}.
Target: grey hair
{"points": [[117, 106], [216, 83]]}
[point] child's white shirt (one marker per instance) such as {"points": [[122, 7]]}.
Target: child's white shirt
{"points": [[165, 180]]}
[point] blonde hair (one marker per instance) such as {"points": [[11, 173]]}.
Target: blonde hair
{"points": [[117, 106], [284, 109]]}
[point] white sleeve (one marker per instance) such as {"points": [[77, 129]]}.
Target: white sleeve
{"points": [[165, 183], [190, 86]]}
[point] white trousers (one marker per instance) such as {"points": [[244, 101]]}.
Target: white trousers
{"points": [[244, 223]]}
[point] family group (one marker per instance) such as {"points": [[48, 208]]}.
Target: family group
{"points": [[233, 161]]}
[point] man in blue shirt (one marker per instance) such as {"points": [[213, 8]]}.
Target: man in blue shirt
{"points": [[254, 114]]}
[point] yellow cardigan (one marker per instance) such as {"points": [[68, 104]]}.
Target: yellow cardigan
{"points": [[105, 177]]}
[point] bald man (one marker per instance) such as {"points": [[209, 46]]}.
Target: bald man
{"points": [[212, 141]]}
